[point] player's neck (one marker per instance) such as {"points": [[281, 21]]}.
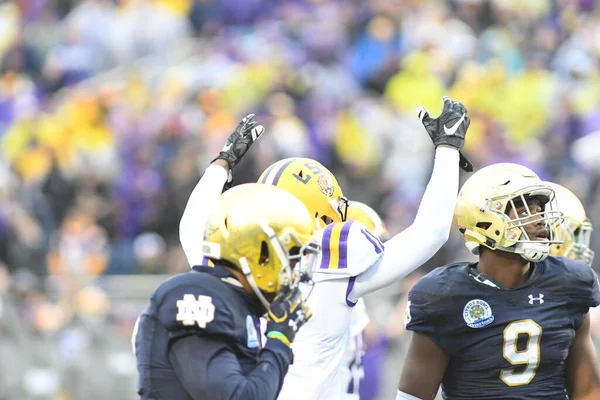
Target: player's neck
{"points": [[509, 270]]}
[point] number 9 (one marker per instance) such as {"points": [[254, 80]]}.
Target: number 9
{"points": [[530, 356]]}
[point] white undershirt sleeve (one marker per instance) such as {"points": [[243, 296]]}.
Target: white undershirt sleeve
{"points": [[405, 396], [203, 201], [412, 247]]}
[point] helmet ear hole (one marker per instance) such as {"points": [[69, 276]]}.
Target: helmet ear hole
{"points": [[264, 253], [483, 225], [326, 220]]}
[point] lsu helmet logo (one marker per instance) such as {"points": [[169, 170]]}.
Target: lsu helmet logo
{"points": [[325, 185], [477, 314]]}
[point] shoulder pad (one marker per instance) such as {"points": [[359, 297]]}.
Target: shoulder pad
{"points": [[348, 249], [582, 282], [431, 306], [428, 296], [194, 303]]}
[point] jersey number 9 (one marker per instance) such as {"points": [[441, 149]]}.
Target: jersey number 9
{"points": [[529, 357]]}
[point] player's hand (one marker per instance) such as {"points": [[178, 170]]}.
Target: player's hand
{"points": [[288, 312], [450, 128], [238, 143]]}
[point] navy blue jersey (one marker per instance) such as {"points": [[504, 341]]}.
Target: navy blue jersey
{"points": [[203, 321], [504, 343]]}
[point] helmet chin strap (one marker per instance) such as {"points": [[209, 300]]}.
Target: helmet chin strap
{"points": [[533, 252]]}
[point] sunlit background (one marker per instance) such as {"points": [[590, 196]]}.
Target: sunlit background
{"points": [[110, 111]]}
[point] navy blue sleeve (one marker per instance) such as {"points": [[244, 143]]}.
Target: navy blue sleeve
{"points": [[209, 369], [582, 288], [426, 312]]}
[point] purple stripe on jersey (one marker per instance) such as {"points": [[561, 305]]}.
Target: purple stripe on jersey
{"points": [[348, 290], [374, 241], [343, 261], [326, 250]]}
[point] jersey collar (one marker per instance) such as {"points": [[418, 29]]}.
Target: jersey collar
{"points": [[483, 280], [226, 276]]}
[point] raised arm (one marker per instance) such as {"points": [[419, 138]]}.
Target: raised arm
{"points": [[204, 199], [409, 249]]}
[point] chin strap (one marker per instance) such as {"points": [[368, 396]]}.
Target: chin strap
{"points": [[532, 252]]}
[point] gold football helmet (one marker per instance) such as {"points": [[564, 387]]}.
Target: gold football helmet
{"points": [[577, 227], [264, 232], [368, 217], [313, 184], [482, 211]]}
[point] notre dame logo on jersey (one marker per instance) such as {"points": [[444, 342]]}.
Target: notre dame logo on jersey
{"points": [[191, 311]]}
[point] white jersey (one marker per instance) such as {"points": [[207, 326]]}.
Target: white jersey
{"points": [[353, 372], [321, 365]]}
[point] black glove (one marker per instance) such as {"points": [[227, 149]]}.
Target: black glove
{"points": [[288, 312], [240, 141], [449, 129]]}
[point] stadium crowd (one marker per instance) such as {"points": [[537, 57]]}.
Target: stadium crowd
{"points": [[110, 110]]}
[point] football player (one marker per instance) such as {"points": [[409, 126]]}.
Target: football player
{"points": [[515, 324], [199, 337], [359, 320], [354, 262], [577, 227]]}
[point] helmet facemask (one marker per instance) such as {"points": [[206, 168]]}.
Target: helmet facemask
{"points": [[297, 264], [340, 207], [580, 238], [515, 238]]}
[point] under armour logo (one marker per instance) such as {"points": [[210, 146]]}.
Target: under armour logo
{"points": [[293, 323], [191, 311], [540, 298]]}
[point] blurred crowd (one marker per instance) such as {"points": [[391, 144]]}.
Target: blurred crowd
{"points": [[111, 109]]}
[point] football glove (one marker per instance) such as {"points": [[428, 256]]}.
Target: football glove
{"points": [[238, 143], [449, 129], [288, 312]]}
